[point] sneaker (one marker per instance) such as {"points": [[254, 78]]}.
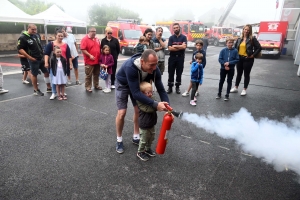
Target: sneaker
{"points": [[218, 96], [195, 99], [193, 103], [226, 98], [65, 94], [170, 90], [143, 156], [196, 94], [119, 147], [107, 90], [243, 93], [113, 87], [69, 82], [150, 152], [25, 82], [178, 90], [234, 90], [78, 83], [2, 91], [38, 93], [136, 141], [53, 96], [185, 94], [49, 90]]}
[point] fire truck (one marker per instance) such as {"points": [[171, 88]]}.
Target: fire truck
{"points": [[218, 35], [128, 32], [192, 30]]}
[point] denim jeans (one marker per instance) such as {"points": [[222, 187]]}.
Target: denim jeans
{"points": [[53, 86]]}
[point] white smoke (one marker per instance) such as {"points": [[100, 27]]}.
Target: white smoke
{"points": [[278, 143]]}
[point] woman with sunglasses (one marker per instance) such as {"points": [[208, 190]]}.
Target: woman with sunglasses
{"points": [[114, 46]]}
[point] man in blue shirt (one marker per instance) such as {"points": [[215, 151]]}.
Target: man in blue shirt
{"points": [[177, 45]]}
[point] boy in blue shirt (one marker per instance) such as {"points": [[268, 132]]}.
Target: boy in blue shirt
{"points": [[228, 58], [196, 76], [199, 47]]}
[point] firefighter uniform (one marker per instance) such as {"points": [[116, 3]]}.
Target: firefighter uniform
{"points": [[176, 60]]}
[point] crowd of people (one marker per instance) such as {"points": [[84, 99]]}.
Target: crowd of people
{"points": [[137, 75]]}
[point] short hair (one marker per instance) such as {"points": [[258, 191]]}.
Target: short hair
{"points": [[92, 28], [148, 30], [199, 56], [142, 39], [56, 48], [147, 53], [144, 85], [105, 47], [229, 39], [30, 25], [108, 29], [162, 30], [199, 42], [176, 24]]}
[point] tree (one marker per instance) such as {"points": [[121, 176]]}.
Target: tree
{"points": [[32, 7], [101, 14]]}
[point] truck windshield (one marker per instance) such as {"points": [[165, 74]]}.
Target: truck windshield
{"points": [[269, 37], [227, 30], [132, 34], [198, 28]]}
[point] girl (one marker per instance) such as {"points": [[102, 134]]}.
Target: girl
{"points": [[106, 61], [59, 69]]}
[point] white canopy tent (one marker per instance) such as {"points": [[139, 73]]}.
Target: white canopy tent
{"points": [[10, 13], [55, 16]]}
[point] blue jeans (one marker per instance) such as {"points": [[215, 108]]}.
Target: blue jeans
{"points": [[53, 86]]}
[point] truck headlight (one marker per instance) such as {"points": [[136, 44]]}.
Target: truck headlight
{"points": [[275, 49]]}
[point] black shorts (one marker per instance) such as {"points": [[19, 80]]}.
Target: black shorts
{"points": [[25, 66]]}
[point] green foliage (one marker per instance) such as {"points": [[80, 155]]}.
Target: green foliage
{"points": [[101, 14], [32, 7]]}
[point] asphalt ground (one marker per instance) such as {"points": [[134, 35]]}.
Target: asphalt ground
{"points": [[54, 149]]}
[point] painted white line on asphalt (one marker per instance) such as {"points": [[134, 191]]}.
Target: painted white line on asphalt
{"points": [[246, 154], [204, 142], [12, 72], [22, 97], [223, 148], [185, 136]]}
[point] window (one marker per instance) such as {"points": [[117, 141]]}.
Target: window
{"points": [[132, 34]]}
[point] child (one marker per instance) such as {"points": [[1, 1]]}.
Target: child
{"points": [[199, 46], [196, 76], [59, 69], [147, 122], [2, 91], [141, 46], [106, 61], [228, 58]]}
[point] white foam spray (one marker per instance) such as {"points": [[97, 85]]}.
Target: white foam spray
{"points": [[278, 143]]}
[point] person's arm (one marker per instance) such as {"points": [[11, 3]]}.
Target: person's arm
{"points": [[110, 61], [69, 58], [117, 47], [257, 46], [160, 87], [235, 59], [183, 45], [204, 59], [83, 47], [221, 57], [194, 66], [21, 46], [201, 74], [162, 44], [170, 45], [21, 56]]}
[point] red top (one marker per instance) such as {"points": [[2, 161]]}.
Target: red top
{"points": [[92, 46]]}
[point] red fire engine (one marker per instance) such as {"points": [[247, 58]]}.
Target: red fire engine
{"points": [[218, 35]]}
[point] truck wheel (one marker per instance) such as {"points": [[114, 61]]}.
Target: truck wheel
{"points": [[278, 56], [123, 52], [216, 43]]}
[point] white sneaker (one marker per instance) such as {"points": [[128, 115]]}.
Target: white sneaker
{"points": [[185, 94], [196, 94], [107, 90], [193, 103], [53, 96], [25, 82], [2, 91], [113, 87], [243, 93], [234, 90], [65, 94], [69, 82]]}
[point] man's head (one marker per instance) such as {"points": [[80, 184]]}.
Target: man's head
{"points": [[199, 57], [92, 32], [229, 43], [199, 44], [176, 28], [146, 88], [159, 32], [149, 61], [32, 29]]}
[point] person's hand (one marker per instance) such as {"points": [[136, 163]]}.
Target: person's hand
{"points": [[191, 62], [162, 106], [71, 66], [227, 68], [226, 64], [92, 57], [32, 59], [46, 65], [251, 56]]}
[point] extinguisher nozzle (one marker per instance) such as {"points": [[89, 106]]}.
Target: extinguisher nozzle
{"points": [[177, 113]]}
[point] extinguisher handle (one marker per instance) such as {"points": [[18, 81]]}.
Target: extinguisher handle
{"points": [[169, 107]]}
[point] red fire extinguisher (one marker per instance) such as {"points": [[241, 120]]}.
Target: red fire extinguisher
{"points": [[165, 127]]}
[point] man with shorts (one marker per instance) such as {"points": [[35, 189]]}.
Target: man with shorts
{"points": [[71, 41], [138, 68], [29, 45], [176, 45], [159, 47]]}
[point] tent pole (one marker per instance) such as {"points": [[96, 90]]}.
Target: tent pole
{"points": [[46, 35]]}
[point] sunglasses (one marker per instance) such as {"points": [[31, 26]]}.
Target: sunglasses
{"points": [[109, 33]]}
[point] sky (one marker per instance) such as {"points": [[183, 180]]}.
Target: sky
{"points": [[252, 11]]}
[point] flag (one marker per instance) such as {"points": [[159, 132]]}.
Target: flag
{"points": [[277, 3]]}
